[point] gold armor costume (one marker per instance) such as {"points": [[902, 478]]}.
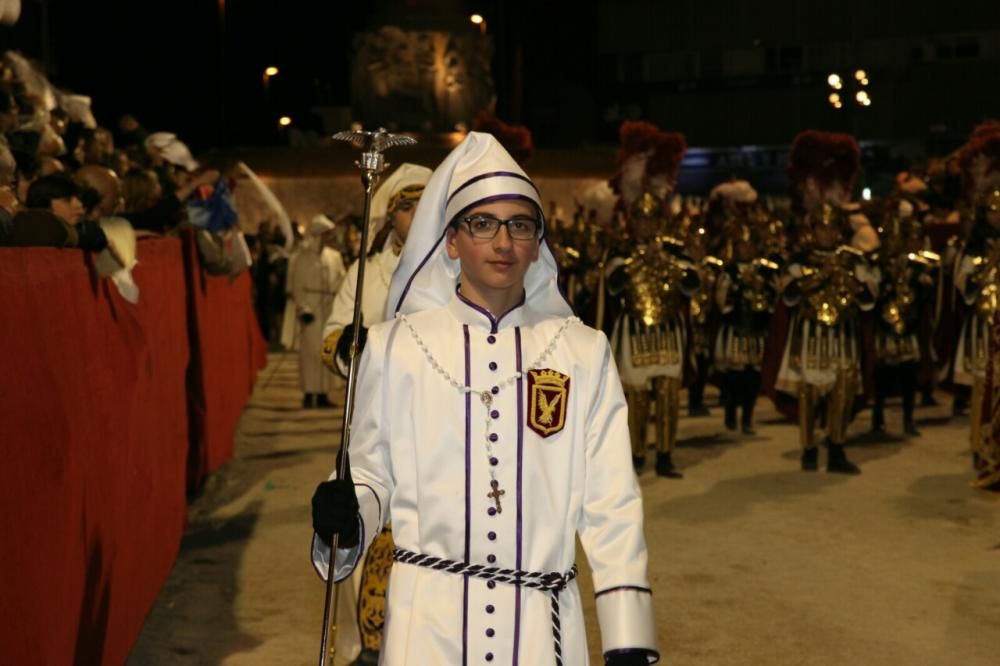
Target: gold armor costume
{"points": [[821, 362], [978, 281], [650, 337]]}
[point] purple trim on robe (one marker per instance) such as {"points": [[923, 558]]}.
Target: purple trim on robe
{"points": [[409, 282], [624, 587], [520, 479], [493, 174], [468, 497], [494, 322]]}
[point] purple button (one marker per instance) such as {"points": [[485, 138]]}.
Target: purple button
{"points": [[492, 536], [493, 366], [491, 584], [494, 462], [494, 437], [491, 339], [492, 511], [490, 608], [495, 390], [494, 414], [490, 633], [491, 558], [489, 656]]}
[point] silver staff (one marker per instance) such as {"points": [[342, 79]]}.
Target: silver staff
{"points": [[372, 145]]}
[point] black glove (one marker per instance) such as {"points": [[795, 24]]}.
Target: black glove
{"points": [[637, 658], [344, 344], [335, 511], [307, 318]]}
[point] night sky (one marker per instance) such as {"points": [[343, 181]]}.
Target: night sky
{"points": [[171, 64], [162, 61]]}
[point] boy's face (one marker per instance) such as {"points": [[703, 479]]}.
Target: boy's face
{"points": [[499, 263]]}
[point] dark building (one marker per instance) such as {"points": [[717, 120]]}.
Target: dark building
{"points": [[739, 72]]}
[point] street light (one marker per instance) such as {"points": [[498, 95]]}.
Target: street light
{"points": [[284, 121], [477, 19], [268, 73], [834, 81]]}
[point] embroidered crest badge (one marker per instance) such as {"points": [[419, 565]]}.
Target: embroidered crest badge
{"points": [[548, 394]]}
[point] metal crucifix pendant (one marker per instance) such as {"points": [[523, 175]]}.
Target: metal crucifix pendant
{"points": [[496, 494]]}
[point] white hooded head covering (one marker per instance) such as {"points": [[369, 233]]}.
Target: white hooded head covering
{"points": [[407, 175], [477, 171], [319, 225]]}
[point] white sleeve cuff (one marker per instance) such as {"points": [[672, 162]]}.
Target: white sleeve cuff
{"points": [[625, 615], [347, 558]]}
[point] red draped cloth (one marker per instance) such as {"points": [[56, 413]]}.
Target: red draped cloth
{"points": [[94, 422], [96, 438], [227, 350]]}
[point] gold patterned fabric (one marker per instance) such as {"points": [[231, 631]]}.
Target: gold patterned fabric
{"points": [[736, 352], [838, 404], [667, 390], [374, 583]]}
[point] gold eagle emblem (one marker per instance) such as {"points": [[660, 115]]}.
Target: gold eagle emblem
{"points": [[548, 394]]}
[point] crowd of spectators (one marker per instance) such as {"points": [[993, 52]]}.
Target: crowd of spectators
{"points": [[64, 177]]}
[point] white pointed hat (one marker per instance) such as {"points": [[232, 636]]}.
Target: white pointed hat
{"points": [[406, 175], [479, 170]]}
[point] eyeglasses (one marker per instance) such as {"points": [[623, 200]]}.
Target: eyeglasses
{"points": [[486, 227]]}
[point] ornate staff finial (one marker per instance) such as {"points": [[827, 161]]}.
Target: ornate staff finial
{"points": [[373, 145]]}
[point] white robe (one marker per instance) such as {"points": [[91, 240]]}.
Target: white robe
{"points": [[314, 280], [378, 276], [418, 455]]}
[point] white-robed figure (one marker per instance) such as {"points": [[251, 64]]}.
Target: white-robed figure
{"points": [[492, 428], [314, 277], [392, 210]]}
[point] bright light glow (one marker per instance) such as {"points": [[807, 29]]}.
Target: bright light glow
{"points": [[834, 99], [838, 105], [864, 82], [284, 121], [834, 81], [271, 71], [476, 18], [866, 194], [860, 75], [861, 96]]}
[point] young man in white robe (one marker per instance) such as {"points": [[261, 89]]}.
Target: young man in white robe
{"points": [[314, 278], [491, 426]]}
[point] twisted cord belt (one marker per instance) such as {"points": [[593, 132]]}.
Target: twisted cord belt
{"points": [[552, 582]]}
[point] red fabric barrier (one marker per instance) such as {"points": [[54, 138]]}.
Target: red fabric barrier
{"points": [[105, 408], [94, 442], [227, 350]]}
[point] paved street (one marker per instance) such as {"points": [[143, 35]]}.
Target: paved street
{"points": [[751, 560]]}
